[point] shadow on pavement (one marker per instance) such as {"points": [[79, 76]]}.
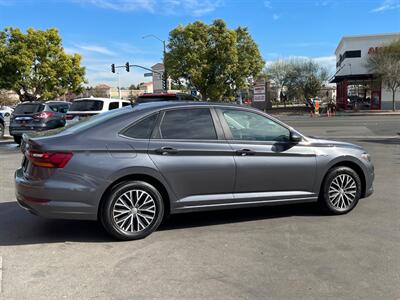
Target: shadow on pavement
{"points": [[19, 227]]}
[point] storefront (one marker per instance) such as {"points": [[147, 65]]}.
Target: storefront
{"points": [[356, 87]]}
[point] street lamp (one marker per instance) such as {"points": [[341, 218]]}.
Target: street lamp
{"points": [[164, 52]]}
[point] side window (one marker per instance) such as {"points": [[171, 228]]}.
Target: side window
{"points": [[141, 129], [54, 107], [125, 104], [249, 126], [196, 124], [63, 108], [113, 105]]}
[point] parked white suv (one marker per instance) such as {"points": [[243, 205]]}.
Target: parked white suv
{"points": [[86, 107], [6, 111]]}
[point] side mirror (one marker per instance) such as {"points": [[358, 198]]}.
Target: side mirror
{"points": [[295, 137]]}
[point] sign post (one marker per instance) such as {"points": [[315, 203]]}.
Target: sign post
{"points": [[260, 100]]}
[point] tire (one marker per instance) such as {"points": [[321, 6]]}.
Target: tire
{"points": [[1, 131], [340, 191], [17, 139], [122, 217]]}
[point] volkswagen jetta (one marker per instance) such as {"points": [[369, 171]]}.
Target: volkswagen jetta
{"points": [[130, 167]]}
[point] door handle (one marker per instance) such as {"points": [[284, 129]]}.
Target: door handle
{"points": [[166, 150], [245, 152]]}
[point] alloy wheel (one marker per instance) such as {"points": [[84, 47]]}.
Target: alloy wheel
{"points": [[134, 211], [342, 192]]}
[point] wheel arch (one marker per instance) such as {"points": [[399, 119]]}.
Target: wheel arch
{"points": [[138, 177]]}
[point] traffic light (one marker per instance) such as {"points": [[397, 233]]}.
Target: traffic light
{"points": [[127, 66], [113, 68], [164, 82]]}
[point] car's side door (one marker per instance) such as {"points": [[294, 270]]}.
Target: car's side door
{"points": [[269, 165], [192, 155]]}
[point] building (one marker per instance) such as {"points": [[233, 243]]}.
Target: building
{"points": [[146, 87], [356, 88]]}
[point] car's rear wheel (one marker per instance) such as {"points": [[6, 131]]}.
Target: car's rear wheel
{"points": [[1, 131], [341, 190], [17, 139], [132, 210]]}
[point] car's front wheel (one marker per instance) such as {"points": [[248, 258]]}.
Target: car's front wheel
{"points": [[341, 190], [132, 210], [18, 139]]}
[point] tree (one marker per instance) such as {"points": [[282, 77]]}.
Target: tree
{"points": [[35, 66], [385, 63], [213, 59], [279, 73], [302, 78]]}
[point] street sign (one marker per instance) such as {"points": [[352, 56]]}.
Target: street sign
{"points": [[193, 93], [259, 98], [259, 89], [148, 74]]}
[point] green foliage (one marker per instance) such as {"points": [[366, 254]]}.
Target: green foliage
{"points": [[302, 78], [35, 66], [215, 60], [385, 63]]}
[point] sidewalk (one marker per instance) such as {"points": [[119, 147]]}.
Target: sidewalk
{"points": [[347, 113]]}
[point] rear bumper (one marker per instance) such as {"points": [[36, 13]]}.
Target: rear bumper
{"points": [[20, 132], [50, 199]]}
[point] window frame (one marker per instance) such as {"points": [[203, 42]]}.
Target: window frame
{"points": [[228, 133], [217, 125]]}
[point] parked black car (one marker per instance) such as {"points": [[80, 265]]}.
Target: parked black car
{"points": [[165, 97], [2, 126], [37, 116]]}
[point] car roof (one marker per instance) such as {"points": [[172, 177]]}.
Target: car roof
{"points": [[172, 104], [158, 95], [100, 99], [56, 102]]}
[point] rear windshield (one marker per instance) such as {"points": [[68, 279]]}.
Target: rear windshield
{"points": [[142, 99], [83, 124], [31, 108], [86, 105]]}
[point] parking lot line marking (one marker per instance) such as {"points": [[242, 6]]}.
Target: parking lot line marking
{"points": [[1, 273]]}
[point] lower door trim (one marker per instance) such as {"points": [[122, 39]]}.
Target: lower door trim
{"points": [[215, 206]]}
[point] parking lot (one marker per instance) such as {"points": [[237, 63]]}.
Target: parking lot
{"points": [[285, 252]]}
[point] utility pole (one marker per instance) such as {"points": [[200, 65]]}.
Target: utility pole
{"points": [[165, 76]]}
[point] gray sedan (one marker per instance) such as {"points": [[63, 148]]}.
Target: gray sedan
{"points": [[130, 167]]}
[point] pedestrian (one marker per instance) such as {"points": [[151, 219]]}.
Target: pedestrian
{"points": [[312, 107]]}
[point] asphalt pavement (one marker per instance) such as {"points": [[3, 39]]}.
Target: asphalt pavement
{"points": [[285, 252]]}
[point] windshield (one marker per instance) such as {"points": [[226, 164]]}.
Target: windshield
{"points": [[30, 108], [86, 105]]}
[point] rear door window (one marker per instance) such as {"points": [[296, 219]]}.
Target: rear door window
{"points": [[113, 105], [61, 108], [190, 124], [86, 105], [27, 109]]}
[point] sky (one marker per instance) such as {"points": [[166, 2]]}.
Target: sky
{"points": [[112, 31]]}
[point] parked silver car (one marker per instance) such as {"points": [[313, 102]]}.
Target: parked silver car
{"points": [[130, 167]]}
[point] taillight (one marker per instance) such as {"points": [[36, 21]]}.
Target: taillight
{"points": [[69, 117], [43, 115], [49, 159]]}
